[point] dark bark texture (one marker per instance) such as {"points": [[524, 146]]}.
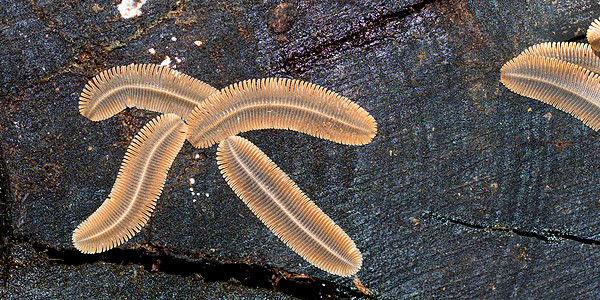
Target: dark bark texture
{"points": [[468, 190]]}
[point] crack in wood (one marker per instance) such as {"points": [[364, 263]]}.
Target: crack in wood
{"points": [[5, 218], [202, 268], [366, 32], [546, 235]]}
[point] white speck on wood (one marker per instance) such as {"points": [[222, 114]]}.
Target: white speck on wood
{"points": [[166, 62], [130, 8]]}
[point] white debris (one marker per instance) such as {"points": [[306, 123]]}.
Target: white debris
{"points": [[197, 156], [191, 189], [198, 43], [192, 180], [173, 39], [130, 8], [166, 62], [152, 51], [207, 195], [177, 59]]}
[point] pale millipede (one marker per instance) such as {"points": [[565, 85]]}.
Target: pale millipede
{"points": [[146, 86], [593, 35], [563, 85], [139, 183], [280, 103], [278, 202], [576, 53]]}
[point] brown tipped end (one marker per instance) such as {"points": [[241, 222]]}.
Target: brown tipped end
{"points": [[563, 85], [280, 103], [139, 184], [276, 200]]}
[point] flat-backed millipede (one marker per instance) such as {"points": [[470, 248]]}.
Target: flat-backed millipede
{"points": [[564, 85], [576, 53], [139, 184], [280, 103], [285, 209], [146, 86]]}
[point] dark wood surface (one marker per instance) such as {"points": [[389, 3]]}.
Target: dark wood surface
{"points": [[468, 190]]}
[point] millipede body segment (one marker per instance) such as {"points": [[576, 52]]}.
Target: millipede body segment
{"points": [[559, 74], [564, 75], [146, 86], [280, 103], [593, 35], [563, 85], [139, 184], [285, 209], [579, 54]]}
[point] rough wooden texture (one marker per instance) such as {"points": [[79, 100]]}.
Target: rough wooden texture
{"points": [[468, 190]]}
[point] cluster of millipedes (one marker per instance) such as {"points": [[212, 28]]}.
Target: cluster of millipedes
{"points": [[203, 115]]}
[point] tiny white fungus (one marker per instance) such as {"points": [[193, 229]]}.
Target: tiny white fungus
{"points": [[130, 8], [166, 62]]}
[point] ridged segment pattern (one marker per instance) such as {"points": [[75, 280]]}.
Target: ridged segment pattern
{"points": [[285, 209], [145, 86], [280, 103], [566, 86], [576, 53], [139, 184]]}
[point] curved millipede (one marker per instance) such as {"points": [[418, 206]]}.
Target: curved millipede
{"points": [[576, 53], [593, 35], [146, 86], [280, 103], [563, 85], [139, 184], [284, 208]]}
